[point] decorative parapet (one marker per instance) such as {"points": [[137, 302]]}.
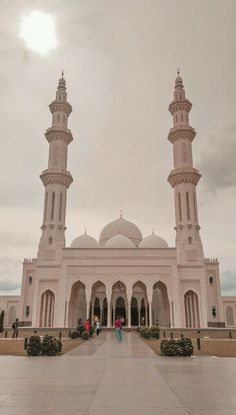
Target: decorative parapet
{"points": [[185, 132], [211, 261], [29, 260], [60, 107], [178, 177], [48, 177], [180, 105], [54, 133]]}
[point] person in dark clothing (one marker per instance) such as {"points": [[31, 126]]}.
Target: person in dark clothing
{"points": [[15, 327]]}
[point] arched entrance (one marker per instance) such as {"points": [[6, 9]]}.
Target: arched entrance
{"points": [[47, 306], [160, 305], [229, 316], [119, 302], [139, 304], [77, 304], [191, 309], [98, 303], [11, 315]]}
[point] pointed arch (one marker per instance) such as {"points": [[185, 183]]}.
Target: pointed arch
{"points": [[191, 307], [47, 308], [160, 305], [77, 303]]}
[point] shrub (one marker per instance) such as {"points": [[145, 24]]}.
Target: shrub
{"points": [[59, 345], [91, 331], [85, 335], [1, 321], [74, 334], [33, 346], [155, 331], [80, 329], [139, 329], [50, 346], [180, 347], [146, 333]]}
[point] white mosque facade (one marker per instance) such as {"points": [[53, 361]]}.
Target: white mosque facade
{"points": [[140, 278]]}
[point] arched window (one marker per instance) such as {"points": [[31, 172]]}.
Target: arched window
{"points": [[27, 311], [195, 206], [53, 205], [58, 117], [50, 239], [211, 280], [30, 280]]}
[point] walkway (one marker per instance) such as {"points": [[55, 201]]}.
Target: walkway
{"points": [[102, 377]]}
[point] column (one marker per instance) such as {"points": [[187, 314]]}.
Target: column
{"points": [[129, 313], [150, 314], [87, 308], [92, 313], [146, 315], [139, 311], [108, 314]]}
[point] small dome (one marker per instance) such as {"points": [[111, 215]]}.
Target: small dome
{"points": [[153, 241], [119, 241], [84, 241], [123, 227]]}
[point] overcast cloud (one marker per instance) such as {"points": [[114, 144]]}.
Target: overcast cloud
{"points": [[120, 62]]}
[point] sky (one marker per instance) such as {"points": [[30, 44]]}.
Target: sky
{"points": [[120, 60]]}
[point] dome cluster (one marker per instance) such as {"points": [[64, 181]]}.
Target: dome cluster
{"points": [[120, 233]]}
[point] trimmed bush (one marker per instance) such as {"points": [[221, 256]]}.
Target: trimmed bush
{"points": [[80, 329], [180, 347], [139, 329], [146, 333], [59, 345], [34, 346], [1, 321], [85, 335], [74, 334], [91, 331], [50, 346], [155, 332]]}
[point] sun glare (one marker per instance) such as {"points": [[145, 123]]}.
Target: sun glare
{"points": [[38, 31]]}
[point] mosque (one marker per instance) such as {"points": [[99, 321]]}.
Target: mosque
{"points": [[140, 278]]}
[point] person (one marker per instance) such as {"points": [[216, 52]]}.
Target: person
{"points": [[118, 329], [98, 326], [87, 325], [15, 327]]}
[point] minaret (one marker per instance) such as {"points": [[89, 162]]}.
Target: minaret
{"points": [[56, 178], [184, 179]]}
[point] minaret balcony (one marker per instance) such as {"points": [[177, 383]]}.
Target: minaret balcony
{"points": [[181, 132], [55, 133], [178, 177], [57, 106], [63, 178], [180, 105]]}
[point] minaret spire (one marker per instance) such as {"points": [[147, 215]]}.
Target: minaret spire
{"points": [[56, 178], [184, 178]]}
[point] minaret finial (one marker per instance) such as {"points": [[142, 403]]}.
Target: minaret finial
{"points": [[152, 231], [178, 71], [62, 72], [121, 213], [85, 231]]}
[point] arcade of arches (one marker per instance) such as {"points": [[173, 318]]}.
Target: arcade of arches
{"points": [[134, 311]]}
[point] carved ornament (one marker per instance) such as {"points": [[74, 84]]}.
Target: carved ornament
{"points": [[60, 107], [181, 133], [187, 177], [56, 178], [56, 134], [183, 105]]}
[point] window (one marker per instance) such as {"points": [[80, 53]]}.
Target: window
{"points": [[211, 280], [188, 207], [213, 311], [59, 97], [27, 311], [45, 207], [64, 119], [30, 279], [60, 207], [53, 204], [58, 117], [189, 240], [195, 206], [50, 240], [180, 209], [182, 117]]}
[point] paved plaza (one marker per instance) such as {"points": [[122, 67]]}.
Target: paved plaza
{"points": [[102, 377]]}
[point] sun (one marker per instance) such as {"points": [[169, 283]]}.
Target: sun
{"points": [[38, 31]]}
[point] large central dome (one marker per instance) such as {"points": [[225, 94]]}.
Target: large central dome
{"points": [[123, 227]]}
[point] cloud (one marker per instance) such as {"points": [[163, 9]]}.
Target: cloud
{"points": [[217, 159], [7, 285], [228, 282]]}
